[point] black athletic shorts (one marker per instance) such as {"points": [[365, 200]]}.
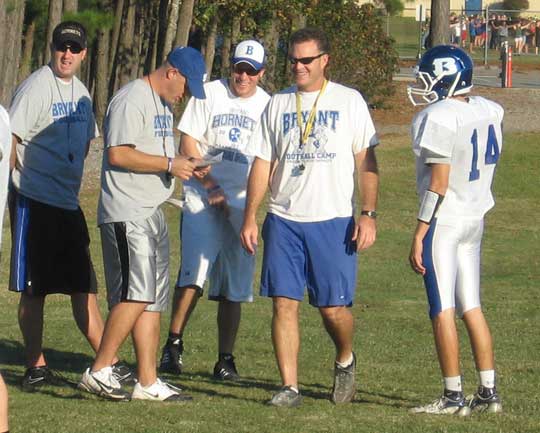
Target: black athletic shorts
{"points": [[49, 250]]}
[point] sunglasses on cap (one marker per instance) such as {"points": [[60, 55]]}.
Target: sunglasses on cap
{"points": [[304, 60], [241, 68], [72, 46]]}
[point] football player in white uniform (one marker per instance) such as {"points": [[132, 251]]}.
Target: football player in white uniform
{"points": [[457, 141]]}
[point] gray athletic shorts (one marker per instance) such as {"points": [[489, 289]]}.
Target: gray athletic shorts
{"points": [[211, 249], [136, 261]]}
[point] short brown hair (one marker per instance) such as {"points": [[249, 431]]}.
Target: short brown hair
{"points": [[311, 34]]}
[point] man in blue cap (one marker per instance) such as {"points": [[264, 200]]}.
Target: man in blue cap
{"points": [[139, 167]]}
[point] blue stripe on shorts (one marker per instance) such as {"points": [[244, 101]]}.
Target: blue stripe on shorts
{"points": [[19, 253], [318, 256], [430, 277]]}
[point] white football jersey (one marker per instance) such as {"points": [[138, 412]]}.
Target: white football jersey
{"points": [[224, 122], [315, 181], [468, 136]]}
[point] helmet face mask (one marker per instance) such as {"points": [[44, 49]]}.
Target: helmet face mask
{"points": [[442, 72]]}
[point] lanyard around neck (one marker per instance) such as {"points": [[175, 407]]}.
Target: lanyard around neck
{"points": [[311, 119]]}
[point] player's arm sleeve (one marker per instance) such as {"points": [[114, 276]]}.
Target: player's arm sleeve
{"points": [[432, 132], [26, 106], [125, 122], [196, 118], [264, 145], [431, 157], [364, 133]]}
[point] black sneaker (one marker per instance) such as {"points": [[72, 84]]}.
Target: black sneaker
{"points": [[344, 382], [171, 357], [34, 377], [286, 397], [225, 369], [123, 374], [37, 376], [451, 402], [485, 400]]}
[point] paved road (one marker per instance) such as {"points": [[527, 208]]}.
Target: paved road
{"points": [[487, 77]]}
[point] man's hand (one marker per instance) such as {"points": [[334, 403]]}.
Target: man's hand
{"points": [[182, 167], [218, 199], [415, 256], [201, 172], [248, 236], [365, 232]]}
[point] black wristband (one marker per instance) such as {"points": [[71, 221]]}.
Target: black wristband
{"points": [[369, 213]]}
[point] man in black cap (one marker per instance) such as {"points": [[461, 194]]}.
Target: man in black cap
{"points": [[52, 125]]}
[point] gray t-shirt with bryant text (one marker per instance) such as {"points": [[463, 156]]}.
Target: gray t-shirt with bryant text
{"points": [[54, 120], [138, 118]]}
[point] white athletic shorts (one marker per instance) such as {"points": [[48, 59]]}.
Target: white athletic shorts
{"points": [[136, 261], [211, 249], [451, 256]]}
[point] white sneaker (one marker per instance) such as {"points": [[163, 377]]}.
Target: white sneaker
{"points": [[159, 391], [104, 384], [450, 402]]}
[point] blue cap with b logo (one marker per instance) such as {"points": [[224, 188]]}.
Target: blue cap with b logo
{"points": [[250, 52], [190, 63]]}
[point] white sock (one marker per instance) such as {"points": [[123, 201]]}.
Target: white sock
{"points": [[294, 389], [452, 383], [487, 378], [347, 362]]}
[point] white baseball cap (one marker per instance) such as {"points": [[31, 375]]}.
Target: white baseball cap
{"points": [[250, 52]]}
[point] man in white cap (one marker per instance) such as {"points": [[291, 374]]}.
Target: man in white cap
{"points": [[139, 166], [220, 126]]}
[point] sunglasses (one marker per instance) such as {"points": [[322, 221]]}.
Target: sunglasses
{"points": [[304, 60], [71, 46], [240, 69]]}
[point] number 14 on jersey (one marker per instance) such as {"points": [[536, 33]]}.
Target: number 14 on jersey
{"points": [[490, 157]]}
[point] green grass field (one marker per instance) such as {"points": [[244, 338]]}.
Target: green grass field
{"points": [[396, 359]]}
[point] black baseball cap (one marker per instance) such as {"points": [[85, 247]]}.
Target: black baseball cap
{"points": [[69, 32]]}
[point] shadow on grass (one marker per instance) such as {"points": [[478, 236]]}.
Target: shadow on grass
{"points": [[60, 362], [190, 381]]}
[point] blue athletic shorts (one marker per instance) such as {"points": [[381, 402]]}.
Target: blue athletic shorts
{"points": [[318, 256]]}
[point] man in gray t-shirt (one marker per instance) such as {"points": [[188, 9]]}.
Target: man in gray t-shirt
{"points": [[52, 125], [139, 167]]}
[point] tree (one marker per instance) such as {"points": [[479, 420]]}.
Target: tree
{"points": [[439, 22], [55, 16], [11, 23], [184, 23], [515, 5], [362, 56]]}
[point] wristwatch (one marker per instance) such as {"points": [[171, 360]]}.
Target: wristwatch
{"points": [[369, 213]]}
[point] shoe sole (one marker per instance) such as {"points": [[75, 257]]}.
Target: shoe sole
{"points": [[105, 395], [488, 408], [295, 403], [174, 399], [227, 378]]}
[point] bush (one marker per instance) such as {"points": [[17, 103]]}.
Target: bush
{"points": [[515, 4], [363, 55]]}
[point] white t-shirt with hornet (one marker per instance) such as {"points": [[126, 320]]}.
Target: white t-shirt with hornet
{"points": [[315, 182], [134, 119], [468, 136], [223, 123]]}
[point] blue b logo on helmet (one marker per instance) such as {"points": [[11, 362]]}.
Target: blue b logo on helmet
{"points": [[442, 72], [249, 50]]}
